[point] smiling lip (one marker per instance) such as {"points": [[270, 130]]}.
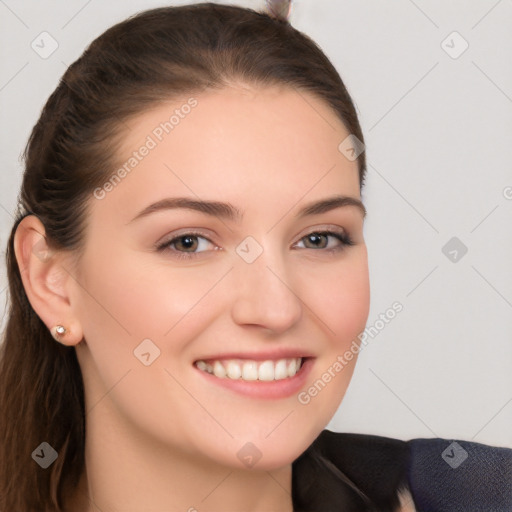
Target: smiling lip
{"points": [[261, 355], [274, 390]]}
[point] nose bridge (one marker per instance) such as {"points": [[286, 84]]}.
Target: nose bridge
{"points": [[264, 293]]}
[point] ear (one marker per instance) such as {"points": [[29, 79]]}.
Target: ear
{"points": [[46, 278]]}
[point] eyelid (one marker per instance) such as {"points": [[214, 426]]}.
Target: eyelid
{"points": [[342, 236], [182, 232], [322, 228]]}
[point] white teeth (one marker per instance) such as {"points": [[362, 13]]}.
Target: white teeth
{"points": [[233, 370], [252, 370], [293, 367], [218, 370], [201, 365], [281, 370], [266, 371]]}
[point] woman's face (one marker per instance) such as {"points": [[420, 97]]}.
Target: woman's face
{"points": [[259, 284]]}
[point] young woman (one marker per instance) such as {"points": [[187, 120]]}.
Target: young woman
{"points": [[188, 282]]}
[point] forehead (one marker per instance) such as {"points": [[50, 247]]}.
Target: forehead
{"points": [[275, 142]]}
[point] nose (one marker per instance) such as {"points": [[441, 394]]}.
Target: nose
{"points": [[265, 296]]}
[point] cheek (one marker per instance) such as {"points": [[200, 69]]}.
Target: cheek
{"points": [[144, 300], [340, 296], [121, 303]]}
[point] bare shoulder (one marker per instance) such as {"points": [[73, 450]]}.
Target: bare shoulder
{"points": [[406, 502]]}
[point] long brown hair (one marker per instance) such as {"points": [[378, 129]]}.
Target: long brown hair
{"points": [[150, 57]]}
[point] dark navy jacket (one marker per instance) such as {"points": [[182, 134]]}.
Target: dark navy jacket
{"points": [[342, 472]]}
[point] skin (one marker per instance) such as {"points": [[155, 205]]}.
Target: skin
{"points": [[159, 437]]}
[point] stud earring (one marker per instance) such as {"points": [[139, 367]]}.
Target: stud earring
{"points": [[58, 331]]}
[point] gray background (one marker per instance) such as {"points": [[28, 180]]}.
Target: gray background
{"points": [[438, 132]]}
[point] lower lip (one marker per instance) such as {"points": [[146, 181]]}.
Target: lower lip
{"points": [[273, 389]]}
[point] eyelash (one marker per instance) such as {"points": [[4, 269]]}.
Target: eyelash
{"points": [[344, 238]]}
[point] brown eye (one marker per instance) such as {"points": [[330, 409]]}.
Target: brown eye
{"points": [[186, 245], [318, 240]]}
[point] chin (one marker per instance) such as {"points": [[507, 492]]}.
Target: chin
{"points": [[277, 450]]}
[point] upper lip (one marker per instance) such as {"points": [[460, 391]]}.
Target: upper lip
{"points": [[261, 355]]}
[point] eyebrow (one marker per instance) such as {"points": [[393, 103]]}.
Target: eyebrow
{"points": [[229, 212]]}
